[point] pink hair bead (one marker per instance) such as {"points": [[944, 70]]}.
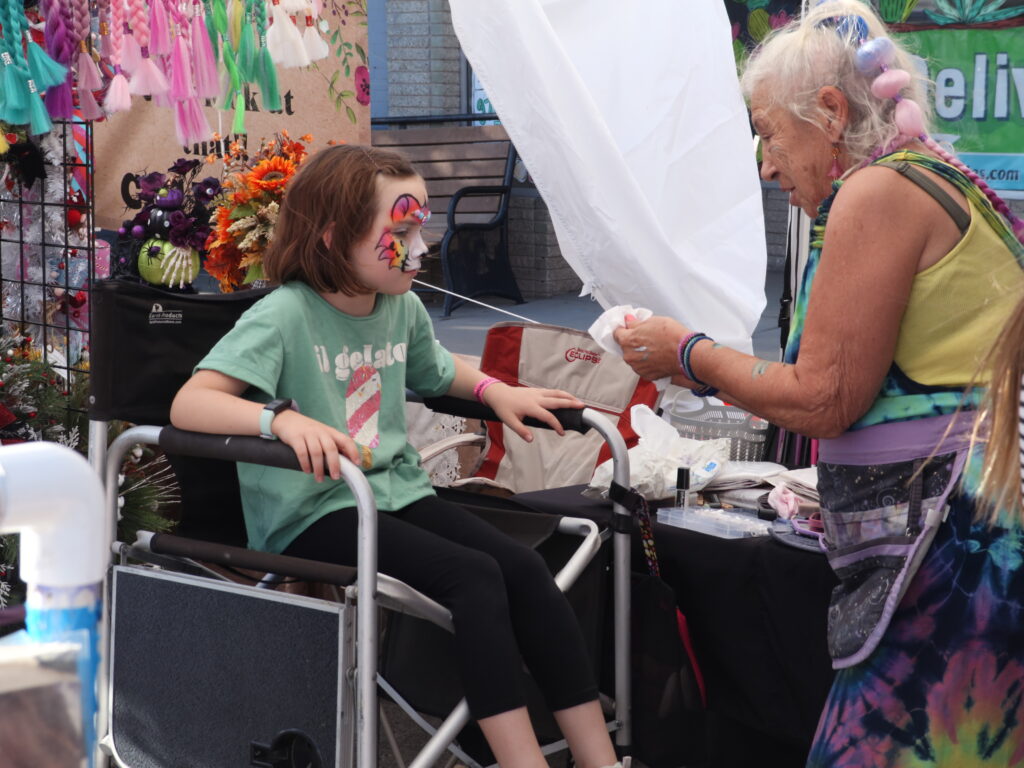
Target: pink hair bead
{"points": [[908, 118], [888, 84]]}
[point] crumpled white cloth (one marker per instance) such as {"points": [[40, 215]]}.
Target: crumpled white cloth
{"points": [[602, 329]]}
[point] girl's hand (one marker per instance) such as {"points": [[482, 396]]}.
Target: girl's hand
{"points": [[316, 445], [513, 404], [651, 347]]}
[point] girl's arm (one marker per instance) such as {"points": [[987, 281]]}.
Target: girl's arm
{"points": [[878, 236], [211, 402], [512, 404]]}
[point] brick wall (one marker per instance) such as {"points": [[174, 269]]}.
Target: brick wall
{"points": [[536, 259], [425, 70]]}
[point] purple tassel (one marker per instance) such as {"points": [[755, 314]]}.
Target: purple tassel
{"points": [[87, 105], [59, 101]]}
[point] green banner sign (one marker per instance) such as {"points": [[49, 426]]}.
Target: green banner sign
{"points": [[978, 97]]}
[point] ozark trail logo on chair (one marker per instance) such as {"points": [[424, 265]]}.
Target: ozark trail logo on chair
{"points": [[586, 355], [160, 316]]}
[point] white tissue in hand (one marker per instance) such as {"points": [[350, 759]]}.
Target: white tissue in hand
{"points": [[654, 460], [602, 329]]}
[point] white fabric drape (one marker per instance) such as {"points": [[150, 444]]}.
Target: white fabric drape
{"points": [[630, 120]]}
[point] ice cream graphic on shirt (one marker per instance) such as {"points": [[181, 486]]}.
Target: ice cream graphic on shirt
{"points": [[362, 408]]}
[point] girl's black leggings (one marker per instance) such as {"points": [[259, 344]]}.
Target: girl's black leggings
{"points": [[504, 602]]}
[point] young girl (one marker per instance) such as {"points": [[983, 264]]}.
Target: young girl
{"points": [[322, 364]]}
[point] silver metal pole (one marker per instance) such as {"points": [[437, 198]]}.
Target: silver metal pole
{"points": [[620, 578]]}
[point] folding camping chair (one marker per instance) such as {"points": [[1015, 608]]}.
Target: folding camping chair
{"points": [[246, 673]]}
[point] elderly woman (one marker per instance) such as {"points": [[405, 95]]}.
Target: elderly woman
{"points": [[915, 267]]}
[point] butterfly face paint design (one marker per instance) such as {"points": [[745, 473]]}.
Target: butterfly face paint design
{"points": [[402, 244]]}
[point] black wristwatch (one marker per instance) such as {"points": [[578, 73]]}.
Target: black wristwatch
{"points": [[270, 410]]}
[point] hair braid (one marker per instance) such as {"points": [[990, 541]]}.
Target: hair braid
{"points": [[139, 21], [997, 202]]}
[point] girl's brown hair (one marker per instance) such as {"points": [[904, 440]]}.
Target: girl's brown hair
{"points": [[998, 426], [334, 191]]}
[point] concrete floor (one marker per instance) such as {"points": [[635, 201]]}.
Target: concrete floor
{"points": [[464, 331]]}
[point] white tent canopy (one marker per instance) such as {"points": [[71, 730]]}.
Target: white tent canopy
{"points": [[630, 120]]}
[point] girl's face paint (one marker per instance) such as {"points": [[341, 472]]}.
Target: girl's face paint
{"points": [[401, 244]]}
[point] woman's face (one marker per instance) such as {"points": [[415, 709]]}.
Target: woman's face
{"points": [[794, 152], [389, 256]]}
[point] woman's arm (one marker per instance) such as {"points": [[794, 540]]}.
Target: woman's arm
{"points": [[512, 404], [876, 236], [211, 402]]}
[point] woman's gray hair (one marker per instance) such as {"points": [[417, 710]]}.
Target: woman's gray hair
{"points": [[817, 50]]}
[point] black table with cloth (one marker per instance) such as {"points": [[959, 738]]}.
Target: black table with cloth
{"points": [[757, 610]]}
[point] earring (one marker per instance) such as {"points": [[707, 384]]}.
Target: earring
{"points": [[835, 171]]}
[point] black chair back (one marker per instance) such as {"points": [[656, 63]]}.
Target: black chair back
{"points": [[144, 344]]}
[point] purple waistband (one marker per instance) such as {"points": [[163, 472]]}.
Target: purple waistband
{"points": [[899, 440]]}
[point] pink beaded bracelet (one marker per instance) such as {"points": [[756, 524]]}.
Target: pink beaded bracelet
{"points": [[483, 384], [682, 347]]}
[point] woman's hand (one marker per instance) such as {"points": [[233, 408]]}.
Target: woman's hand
{"points": [[513, 404], [316, 445], [651, 347]]}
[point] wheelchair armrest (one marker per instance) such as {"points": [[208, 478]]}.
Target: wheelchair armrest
{"points": [[569, 418], [478, 191], [250, 449]]}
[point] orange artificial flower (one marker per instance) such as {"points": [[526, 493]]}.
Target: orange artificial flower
{"points": [[271, 175]]}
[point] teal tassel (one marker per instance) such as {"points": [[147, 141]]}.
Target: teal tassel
{"points": [[15, 90], [268, 82], [39, 118], [44, 70], [238, 125]]}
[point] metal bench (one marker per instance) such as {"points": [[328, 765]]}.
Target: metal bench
{"points": [[469, 171]]}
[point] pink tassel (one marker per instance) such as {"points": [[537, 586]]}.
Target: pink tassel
{"points": [[181, 131], [181, 72], [131, 54], [147, 79], [87, 105], [204, 66], [200, 126], [159, 29], [89, 78], [119, 98]]}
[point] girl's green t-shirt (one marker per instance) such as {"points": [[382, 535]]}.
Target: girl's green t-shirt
{"points": [[348, 372]]}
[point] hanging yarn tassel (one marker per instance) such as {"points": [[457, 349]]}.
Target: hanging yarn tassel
{"points": [[246, 51], [119, 97], [267, 78], [87, 105], [147, 79], [45, 71], [284, 40], [238, 124], [38, 118], [159, 29], [60, 45], [181, 131], [15, 92], [106, 45], [89, 77], [316, 46], [197, 121], [131, 53], [204, 64], [181, 72]]}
